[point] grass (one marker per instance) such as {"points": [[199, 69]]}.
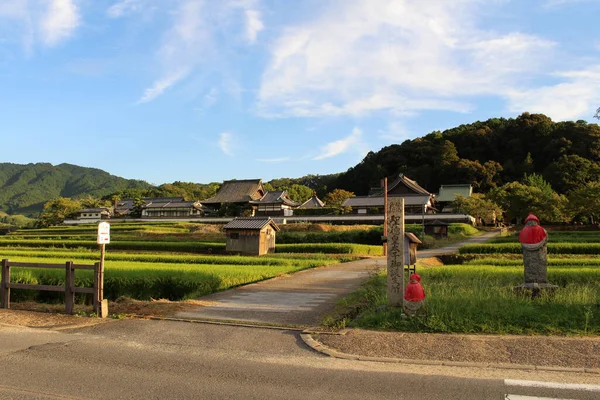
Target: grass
{"points": [[480, 299]]}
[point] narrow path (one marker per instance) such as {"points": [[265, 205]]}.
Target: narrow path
{"points": [[453, 248], [300, 299]]}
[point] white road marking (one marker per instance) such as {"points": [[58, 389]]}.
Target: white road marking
{"points": [[552, 385], [519, 397]]}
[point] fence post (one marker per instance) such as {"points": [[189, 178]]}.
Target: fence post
{"points": [[4, 289], [69, 287], [96, 299]]}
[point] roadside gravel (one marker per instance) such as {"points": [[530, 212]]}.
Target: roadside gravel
{"points": [[580, 352]]}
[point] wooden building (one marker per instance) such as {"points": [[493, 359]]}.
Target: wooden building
{"points": [[251, 236], [437, 229], [417, 200], [234, 192], [275, 204], [448, 193]]}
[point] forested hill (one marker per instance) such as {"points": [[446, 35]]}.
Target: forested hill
{"points": [[25, 188], [488, 154]]}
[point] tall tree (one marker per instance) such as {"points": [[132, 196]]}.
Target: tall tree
{"points": [[56, 211]]}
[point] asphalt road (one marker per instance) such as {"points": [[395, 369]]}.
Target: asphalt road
{"points": [[135, 359]]}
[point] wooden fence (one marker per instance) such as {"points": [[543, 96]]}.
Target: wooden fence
{"points": [[100, 305]]}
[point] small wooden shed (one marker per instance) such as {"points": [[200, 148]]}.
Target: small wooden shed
{"points": [[252, 236], [437, 229], [410, 248]]}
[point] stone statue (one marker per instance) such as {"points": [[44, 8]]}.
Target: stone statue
{"points": [[414, 295], [534, 244]]}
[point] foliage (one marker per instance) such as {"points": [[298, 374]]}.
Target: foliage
{"points": [[477, 206], [56, 211], [337, 197], [25, 188], [533, 195], [585, 200], [486, 154]]}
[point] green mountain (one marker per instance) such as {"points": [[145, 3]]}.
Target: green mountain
{"points": [[487, 154], [25, 188]]}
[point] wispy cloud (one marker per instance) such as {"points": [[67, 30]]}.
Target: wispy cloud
{"points": [[59, 22], [161, 85], [198, 33], [123, 7], [351, 142], [49, 22], [395, 55], [254, 25], [226, 143]]}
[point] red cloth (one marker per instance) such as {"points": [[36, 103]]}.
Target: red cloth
{"points": [[532, 217], [532, 234], [414, 292]]}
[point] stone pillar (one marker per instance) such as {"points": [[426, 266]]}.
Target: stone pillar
{"points": [[395, 258]]}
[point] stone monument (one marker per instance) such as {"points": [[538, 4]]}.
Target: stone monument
{"points": [[395, 257], [534, 244]]}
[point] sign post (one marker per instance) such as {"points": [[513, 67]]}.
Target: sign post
{"points": [[395, 257], [101, 305]]}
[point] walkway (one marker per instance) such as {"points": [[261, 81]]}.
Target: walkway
{"points": [[301, 299]]}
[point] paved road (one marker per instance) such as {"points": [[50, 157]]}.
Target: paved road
{"points": [[300, 299], [135, 359]]}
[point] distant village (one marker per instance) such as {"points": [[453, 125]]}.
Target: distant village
{"points": [[249, 198]]}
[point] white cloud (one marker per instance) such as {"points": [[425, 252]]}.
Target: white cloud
{"points": [[576, 98], [47, 21], [396, 55], [59, 22], [254, 25], [122, 8], [161, 85], [226, 143], [351, 142], [210, 98]]}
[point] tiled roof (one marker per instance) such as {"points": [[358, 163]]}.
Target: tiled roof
{"points": [[173, 204], [378, 201], [437, 222], [276, 197], [402, 179], [313, 202], [250, 223], [449, 192], [242, 191]]}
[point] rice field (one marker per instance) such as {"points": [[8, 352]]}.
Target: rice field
{"points": [[154, 261]]}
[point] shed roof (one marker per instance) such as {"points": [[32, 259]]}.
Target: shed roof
{"points": [[313, 202], [449, 192], [412, 237], [250, 223], [93, 210], [378, 201], [235, 191], [276, 197]]}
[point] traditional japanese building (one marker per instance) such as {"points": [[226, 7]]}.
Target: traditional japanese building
{"points": [[236, 192], [312, 203], [274, 203], [448, 193], [417, 200], [172, 209]]}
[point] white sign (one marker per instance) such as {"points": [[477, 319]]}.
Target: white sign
{"points": [[103, 233]]}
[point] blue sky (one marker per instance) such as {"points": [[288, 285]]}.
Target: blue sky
{"points": [[208, 90]]}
